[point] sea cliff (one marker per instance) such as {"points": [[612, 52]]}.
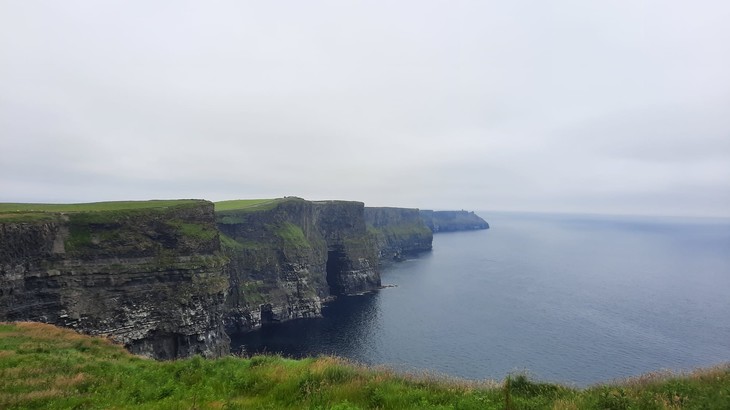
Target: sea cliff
{"points": [[398, 232], [288, 256], [147, 275], [449, 221], [170, 279]]}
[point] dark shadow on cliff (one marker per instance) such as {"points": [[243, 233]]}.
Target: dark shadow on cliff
{"points": [[336, 263]]}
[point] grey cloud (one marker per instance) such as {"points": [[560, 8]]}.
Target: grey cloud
{"points": [[527, 105]]}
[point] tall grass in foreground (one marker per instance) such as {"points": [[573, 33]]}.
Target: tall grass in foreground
{"points": [[42, 366]]}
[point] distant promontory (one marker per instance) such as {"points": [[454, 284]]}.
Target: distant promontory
{"points": [[449, 221]]}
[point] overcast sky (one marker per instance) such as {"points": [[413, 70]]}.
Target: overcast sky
{"points": [[572, 106]]}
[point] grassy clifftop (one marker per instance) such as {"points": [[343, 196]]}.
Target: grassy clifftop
{"points": [[27, 212], [94, 206], [123, 228], [42, 366], [149, 274], [246, 204]]}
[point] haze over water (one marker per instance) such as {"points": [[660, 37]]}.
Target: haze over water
{"points": [[572, 299]]}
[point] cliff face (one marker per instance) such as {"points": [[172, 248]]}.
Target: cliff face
{"points": [[168, 279], [447, 221], [288, 256], [398, 232], [351, 252], [151, 278]]}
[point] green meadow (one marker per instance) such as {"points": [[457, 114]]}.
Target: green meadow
{"points": [[45, 367]]}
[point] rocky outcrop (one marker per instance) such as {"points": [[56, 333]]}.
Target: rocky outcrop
{"points": [[150, 277], [288, 256], [448, 221], [398, 232]]}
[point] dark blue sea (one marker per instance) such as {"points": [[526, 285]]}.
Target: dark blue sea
{"points": [[571, 299]]}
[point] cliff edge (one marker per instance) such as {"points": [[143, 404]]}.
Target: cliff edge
{"points": [[146, 274], [290, 255], [171, 279]]}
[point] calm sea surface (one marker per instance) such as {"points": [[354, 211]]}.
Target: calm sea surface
{"points": [[572, 299]]}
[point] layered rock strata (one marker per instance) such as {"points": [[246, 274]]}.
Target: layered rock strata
{"points": [[398, 232], [169, 279], [151, 278], [288, 256]]}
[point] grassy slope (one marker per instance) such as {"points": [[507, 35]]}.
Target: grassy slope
{"points": [[46, 367]]}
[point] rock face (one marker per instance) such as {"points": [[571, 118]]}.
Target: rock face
{"points": [[168, 279], [151, 278], [398, 232], [448, 221], [288, 256]]}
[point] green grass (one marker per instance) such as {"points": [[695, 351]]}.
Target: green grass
{"points": [[44, 367], [28, 217], [234, 211], [288, 234], [245, 204], [253, 292], [229, 243], [120, 228], [401, 230], [292, 235], [201, 232], [95, 206], [127, 230], [93, 212], [236, 245]]}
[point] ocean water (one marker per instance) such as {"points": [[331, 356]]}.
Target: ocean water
{"points": [[571, 299]]}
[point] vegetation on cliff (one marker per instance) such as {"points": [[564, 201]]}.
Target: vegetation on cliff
{"points": [[94, 206], [149, 274], [233, 211], [288, 255], [25, 212], [398, 232], [118, 227], [46, 367]]}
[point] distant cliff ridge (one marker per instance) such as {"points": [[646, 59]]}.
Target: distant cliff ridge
{"points": [[171, 279], [448, 221], [398, 232]]}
